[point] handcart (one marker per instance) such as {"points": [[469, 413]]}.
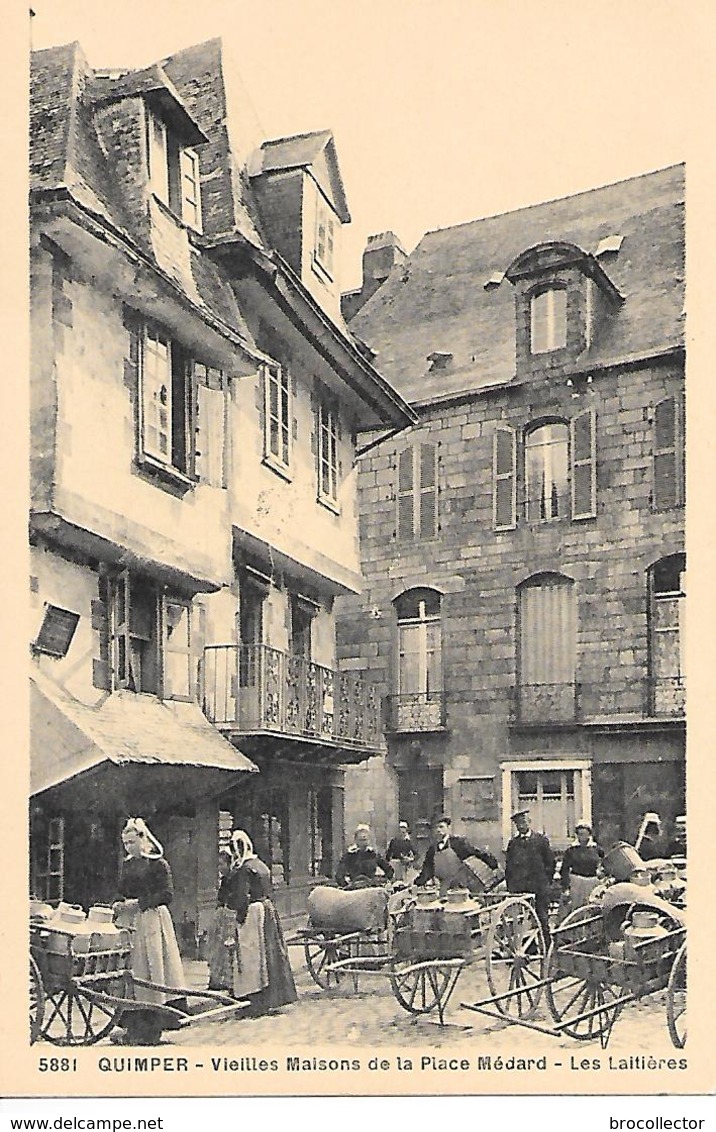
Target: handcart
{"points": [[591, 974], [423, 944], [77, 996]]}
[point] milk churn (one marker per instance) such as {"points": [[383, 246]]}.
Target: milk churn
{"points": [[643, 926]]}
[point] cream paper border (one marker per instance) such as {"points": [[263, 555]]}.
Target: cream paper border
{"points": [[690, 79]]}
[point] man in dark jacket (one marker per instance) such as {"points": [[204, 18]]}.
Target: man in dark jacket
{"points": [[360, 863], [445, 856], [529, 867]]}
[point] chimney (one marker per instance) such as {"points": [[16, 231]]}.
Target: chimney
{"points": [[383, 252]]}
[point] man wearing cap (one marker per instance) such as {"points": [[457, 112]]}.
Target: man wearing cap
{"points": [[359, 864], [529, 866], [444, 858]]}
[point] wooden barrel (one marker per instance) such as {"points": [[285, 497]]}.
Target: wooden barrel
{"points": [[340, 910]]}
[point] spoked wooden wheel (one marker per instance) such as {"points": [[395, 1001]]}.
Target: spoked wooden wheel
{"points": [[419, 988], [71, 1019], [676, 999], [581, 986], [321, 954], [37, 1001], [515, 958]]}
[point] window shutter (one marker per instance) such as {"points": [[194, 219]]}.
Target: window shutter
{"points": [[584, 465], [190, 188], [156, 381], [666, 492], [428, 491], [119, 630], [406, 505], [209, 430], [504, 477]]}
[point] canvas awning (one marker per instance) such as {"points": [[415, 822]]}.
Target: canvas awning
{"points": [[68, 737]]}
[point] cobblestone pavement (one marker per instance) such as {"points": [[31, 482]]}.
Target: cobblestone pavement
{"points": [[344, 1019]]}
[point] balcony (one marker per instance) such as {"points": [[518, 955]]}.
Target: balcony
{"points": [[256, 689], [416, 712], [545, 703], [611, 700]]}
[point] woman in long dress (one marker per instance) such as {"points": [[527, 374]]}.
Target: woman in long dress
{"points": [[260, 968], [146, 888], [580, 866]]}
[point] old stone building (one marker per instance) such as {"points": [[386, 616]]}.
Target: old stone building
{"points": [[195, 401], [523, 542]]}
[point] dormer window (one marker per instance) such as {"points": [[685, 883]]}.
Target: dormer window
{"points": [[548, 320], [173, 172], [325, 233]]}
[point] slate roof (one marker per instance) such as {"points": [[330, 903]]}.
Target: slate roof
{"points": [[299, 152], [66, 154], [437, 300]]}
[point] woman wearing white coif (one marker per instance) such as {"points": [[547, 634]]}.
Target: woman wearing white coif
{"points": [[260, 967], [146, 890]]}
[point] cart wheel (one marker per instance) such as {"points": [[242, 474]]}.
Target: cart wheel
{"points": [[571, 995], [37, 1001], [71, 1019], [515, 958], [419, 991], [320, 955], [676, 999]]}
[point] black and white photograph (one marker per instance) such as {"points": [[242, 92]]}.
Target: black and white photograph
{"points": [[358, 443]]}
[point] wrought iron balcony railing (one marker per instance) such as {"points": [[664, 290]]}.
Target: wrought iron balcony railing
{"points": [[545, 703], [416, 711], [256, 688], [667, 696], [662, 697]]}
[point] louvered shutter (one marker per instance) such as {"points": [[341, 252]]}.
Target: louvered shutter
{"points": [[406, 503], [665, 450], [190, 188], [584, 465], [504, 478], [428, 491]]}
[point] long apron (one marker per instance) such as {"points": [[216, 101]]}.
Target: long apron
{"points": [[155, 954], [580, 888], [447, 866]]}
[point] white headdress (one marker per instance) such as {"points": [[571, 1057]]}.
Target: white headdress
{"points": [[242, 846], [151, 847]]}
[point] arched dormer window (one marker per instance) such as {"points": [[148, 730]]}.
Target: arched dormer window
{"points": [[548, 320]]}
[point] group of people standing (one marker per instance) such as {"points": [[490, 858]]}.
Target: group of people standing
{"points": [[529, 862], [247, 953]]}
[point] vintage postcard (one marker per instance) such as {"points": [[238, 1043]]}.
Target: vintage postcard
{"points": [[361, 646]]}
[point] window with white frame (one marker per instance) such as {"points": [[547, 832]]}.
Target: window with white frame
{"points": [[417, 494], [173, 172], [277, 402], [548, 320], [181, 428], [150, 638], [328, 432], [323, 248], [419, 642], [667, 608]]}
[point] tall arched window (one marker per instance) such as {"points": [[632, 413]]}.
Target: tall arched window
{"points": [[547, 614], [547, 472], [666, 646], [419, 684]]}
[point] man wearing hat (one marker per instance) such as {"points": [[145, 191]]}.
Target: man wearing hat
{"points": [[444, 858], [529, 866]]}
